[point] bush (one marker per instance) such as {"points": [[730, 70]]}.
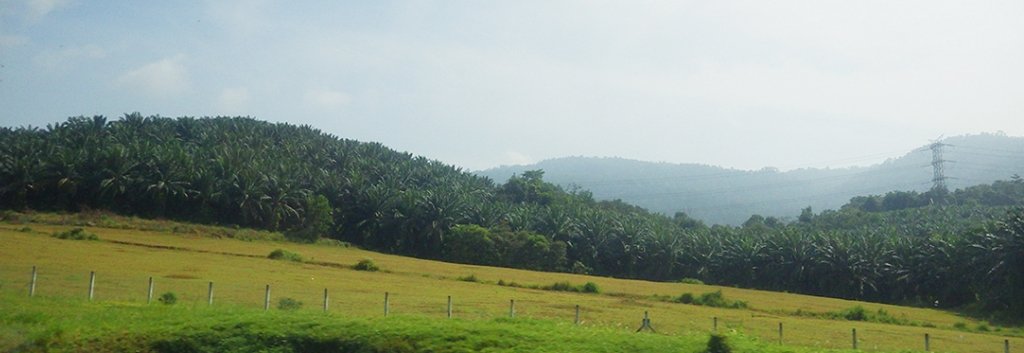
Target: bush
{"points": [[168, 298], [589, 287], [470, 278], [856, 313], [691, 281], [718, 344], [713, 299], [76, 234], [366, 265], [281, 254], [685, 298], [289, 304], [25, 230]]}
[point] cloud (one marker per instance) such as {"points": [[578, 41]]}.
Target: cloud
{"points": [[327, 99], [12, 40], [64, 58], [162, 77], [40, 8], [233, 101]]}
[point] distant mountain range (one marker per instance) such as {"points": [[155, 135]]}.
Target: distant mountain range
{"points": [[720, 195]]}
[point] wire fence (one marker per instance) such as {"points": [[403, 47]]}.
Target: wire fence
{"points": [[192, 291]]}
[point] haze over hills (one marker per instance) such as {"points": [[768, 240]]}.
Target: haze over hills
{"points": [[719, 195]]}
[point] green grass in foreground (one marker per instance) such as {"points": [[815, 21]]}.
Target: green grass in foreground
{"points": [[30, 325]]}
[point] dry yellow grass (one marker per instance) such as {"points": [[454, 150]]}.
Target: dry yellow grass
{"points": [[184, 264]]}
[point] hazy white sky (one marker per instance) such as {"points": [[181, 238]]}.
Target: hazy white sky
{"points": [[742, 84]]}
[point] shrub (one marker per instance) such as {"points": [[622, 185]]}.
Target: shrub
{"points": [[685, 298], [470, 278], [982, 327], [691, 281], [718, 344], [366, 265], [590, 287], [712, 299], [76, 234], [289, 304], [960, 326], [281, 254], [856, 313], [168, 298], [25, 230]]}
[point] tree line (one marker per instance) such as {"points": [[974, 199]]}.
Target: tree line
{"points": [[296, 179]]}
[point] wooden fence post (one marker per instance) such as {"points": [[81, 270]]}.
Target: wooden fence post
{"points": [[855, 339], [511, 308], [32, 284], [714, 324], [780, 333], [149, 291], [92, 284], [326, 301], [209, 294], [449, 307], [1006, 346], [577, 321], [386, 304], [266, 299], [927, 344]]}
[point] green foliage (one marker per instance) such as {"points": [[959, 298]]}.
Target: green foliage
{"points": [[25, 230], [712, 299], [589, 287], [317, 221], [282, 254], [168, 298], [691, 281], [366, 265], [75, 234], [289, 304], [718, 344], [470, 278]]}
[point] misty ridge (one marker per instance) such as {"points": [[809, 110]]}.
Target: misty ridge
{"points": [[719, 195]]}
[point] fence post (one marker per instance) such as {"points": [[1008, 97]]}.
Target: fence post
{"points": [[92, 284], [266, 299], [855, 339], [780, 333], [386, 304], [149, 291], [577, 321], [32, 284], [927, 344], [1006, 346], [209, 293], [326, 301], [714, 324], [449, 307], [511, 308]]}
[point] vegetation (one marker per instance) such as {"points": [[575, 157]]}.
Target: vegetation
{"points": [[307, 184], [168, 298], [281, 254], [289, 304], [75, 234], [184, 263], [713, 299], [589, 287], [366, 265], [718, 344]]}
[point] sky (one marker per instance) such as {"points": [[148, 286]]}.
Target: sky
{"points": [[478, 84]]}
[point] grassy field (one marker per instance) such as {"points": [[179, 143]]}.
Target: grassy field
{"points": [[184, 258]]}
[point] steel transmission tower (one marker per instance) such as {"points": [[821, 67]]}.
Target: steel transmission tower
{"points": [[938, 172]]}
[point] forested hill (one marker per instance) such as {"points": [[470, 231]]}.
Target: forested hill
{"points": [[896, 247], [719, 195]]}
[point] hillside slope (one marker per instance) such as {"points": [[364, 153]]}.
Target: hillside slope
{"points": [[719, 195], [184, 259]]}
